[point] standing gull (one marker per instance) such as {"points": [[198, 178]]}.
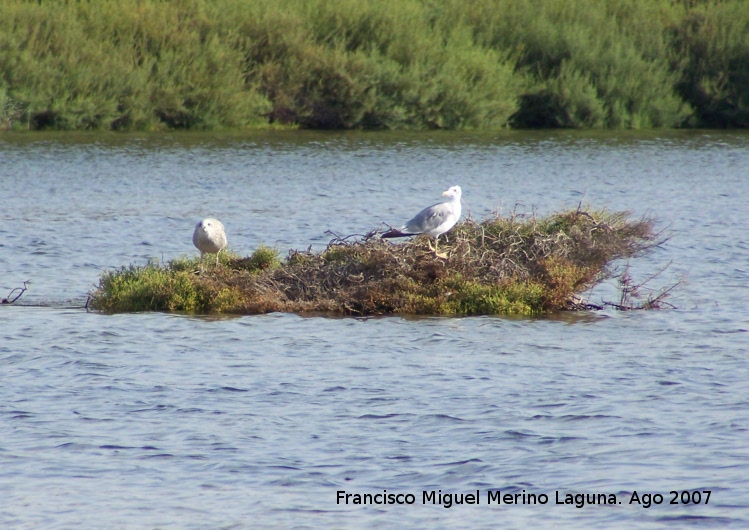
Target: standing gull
{"points": [[433, 221], [209, 237]]}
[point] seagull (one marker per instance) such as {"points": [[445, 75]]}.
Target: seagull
{"points": [[433, 221], [209, 237]]}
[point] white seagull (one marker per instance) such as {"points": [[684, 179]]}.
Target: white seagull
{"points": [[433, 221], [209, 237]]}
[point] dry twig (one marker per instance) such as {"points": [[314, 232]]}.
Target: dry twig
{"points": [[12, 296]]}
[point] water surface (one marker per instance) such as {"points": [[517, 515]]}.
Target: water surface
{"points": [[156, 420]]}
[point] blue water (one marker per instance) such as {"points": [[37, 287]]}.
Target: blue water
{"points": [[157, 420]]}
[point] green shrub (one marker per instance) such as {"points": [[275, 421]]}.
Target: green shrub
{"points": [[150, 288], [711, 48]]}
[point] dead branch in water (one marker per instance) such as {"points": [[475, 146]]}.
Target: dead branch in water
{"points": [[631, 293], [13, 296]]}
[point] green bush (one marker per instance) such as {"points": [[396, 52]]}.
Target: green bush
{"points": [[594, 64], [712, 51]]}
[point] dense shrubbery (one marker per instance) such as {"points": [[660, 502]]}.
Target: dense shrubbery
{"points": [[150, 64]]}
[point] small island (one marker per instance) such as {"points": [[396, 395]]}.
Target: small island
{"points": [[519, 264]]}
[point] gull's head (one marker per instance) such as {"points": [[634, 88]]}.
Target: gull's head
{"points": [[209, 224], [453, 192]]}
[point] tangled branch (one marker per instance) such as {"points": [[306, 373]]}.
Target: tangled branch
{"points": [[13, 295]]}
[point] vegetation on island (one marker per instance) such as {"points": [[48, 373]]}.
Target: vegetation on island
{"points": [[504, 265], [338, 64]]}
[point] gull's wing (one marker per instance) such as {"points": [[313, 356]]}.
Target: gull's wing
{"points": [[429, 219]]}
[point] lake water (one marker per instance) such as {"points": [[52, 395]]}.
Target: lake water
{"points": [[158, 420]]}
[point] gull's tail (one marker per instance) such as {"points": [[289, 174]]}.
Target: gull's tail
{"points": [[394, 232]]}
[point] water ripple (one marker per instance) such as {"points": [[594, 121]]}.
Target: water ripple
{"points": [[159, 420]]}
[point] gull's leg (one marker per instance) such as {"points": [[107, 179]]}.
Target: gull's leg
{"points": [[442, 255]]}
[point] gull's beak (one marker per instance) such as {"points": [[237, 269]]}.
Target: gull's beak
{"points": [[446, 193]]}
